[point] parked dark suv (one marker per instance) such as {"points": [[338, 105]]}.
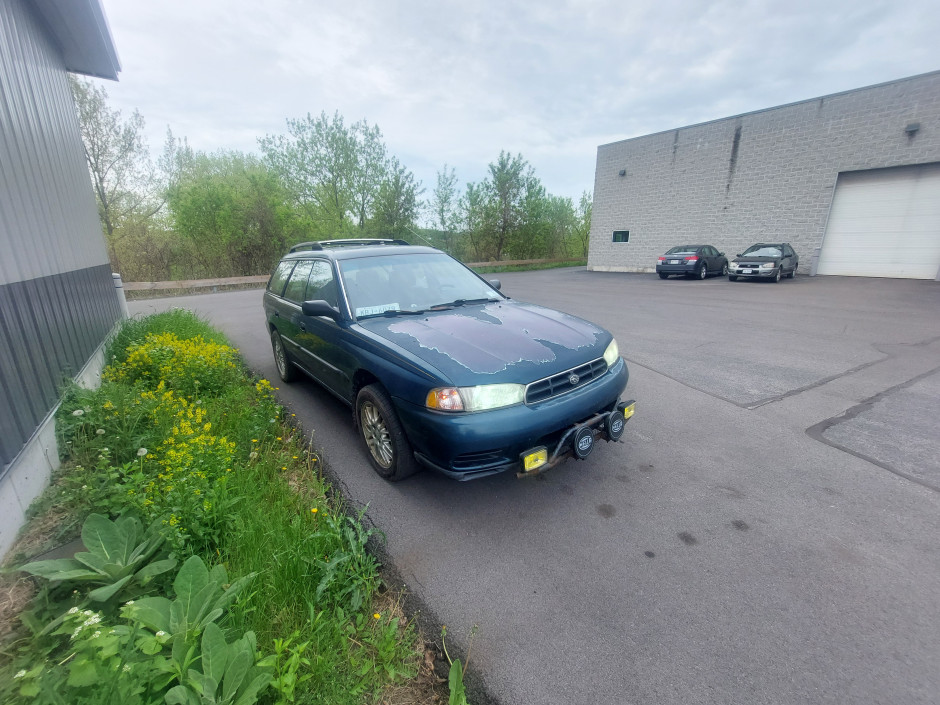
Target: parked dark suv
{"points": [[440, 368]]}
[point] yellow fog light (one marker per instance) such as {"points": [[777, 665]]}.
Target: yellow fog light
{"points": [[628, 410], [534, 459]]}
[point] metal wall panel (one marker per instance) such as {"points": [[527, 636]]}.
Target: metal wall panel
{"points": [[48, 217], [49, 327], [57, 297]]}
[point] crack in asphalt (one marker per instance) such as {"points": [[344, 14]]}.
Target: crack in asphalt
{"points": [[817, 431]]}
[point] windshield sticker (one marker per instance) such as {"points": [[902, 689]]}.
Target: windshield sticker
{"points": [[373, 310]]}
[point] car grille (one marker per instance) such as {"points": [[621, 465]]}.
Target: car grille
{"points": [[561, 383], [483, 458]]}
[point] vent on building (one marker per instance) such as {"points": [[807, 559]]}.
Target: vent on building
{"points": [[621, 236]]}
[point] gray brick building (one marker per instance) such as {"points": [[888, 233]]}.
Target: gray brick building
{"points": [[852, 177]]}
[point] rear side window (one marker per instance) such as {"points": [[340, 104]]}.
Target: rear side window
{"points": [[276, 283], [297, 285]]}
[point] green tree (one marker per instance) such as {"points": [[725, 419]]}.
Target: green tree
{"points": [[234, 212], [396, 204], [582, 228]]}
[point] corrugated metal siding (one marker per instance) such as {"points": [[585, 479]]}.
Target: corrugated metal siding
{"points": [[48, 217], [57, 298]]}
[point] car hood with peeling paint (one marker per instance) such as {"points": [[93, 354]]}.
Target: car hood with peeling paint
{"points": [[499, 342]]}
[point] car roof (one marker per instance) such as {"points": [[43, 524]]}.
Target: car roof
{"points": [[355, 249]]}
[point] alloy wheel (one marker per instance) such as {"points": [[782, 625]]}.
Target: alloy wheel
{"points": [[376, 435]]}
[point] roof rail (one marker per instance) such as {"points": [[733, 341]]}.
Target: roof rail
{"points": [[345, 243]]}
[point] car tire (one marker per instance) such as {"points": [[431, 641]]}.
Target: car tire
{"points": [[732, 278], [724, 269], [663, 275], [285, 368], [777, 275], [389, 450], [702, 271]]}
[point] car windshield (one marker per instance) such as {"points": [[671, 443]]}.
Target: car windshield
{"points": [[763, 251], [683, 250], [410, 283]]}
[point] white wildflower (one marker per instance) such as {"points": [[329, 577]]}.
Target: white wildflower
{"points": [[127, 668], [96, 634], [100, 432], [141, 452], [74, 610], [20, 673], [161, 633], [78, 412]]}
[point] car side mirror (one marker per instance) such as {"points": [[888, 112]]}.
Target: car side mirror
{"points": [[739, 255], [721, 254], [319, 307], [495, 283]]}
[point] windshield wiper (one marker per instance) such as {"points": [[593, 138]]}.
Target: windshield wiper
{"points": [[461, 302], [391, 313]]}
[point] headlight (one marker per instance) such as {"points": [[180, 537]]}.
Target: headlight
{"points": [[769, 265], [611, 353], [479, 398]]}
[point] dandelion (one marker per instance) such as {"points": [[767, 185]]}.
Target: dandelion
{"points": [[314, 510], [252, 455], [99, 432], [254, 440], [278, 438], [141, 452], [377, 615], [20, 673], [78, 412]]}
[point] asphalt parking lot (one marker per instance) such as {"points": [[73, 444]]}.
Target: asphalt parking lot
{"points": [[766, 532]]}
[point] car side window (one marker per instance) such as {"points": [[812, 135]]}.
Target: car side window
{"points": [[276, 283], [297, 284], [788, 251], [711, 251], [320, 284]]}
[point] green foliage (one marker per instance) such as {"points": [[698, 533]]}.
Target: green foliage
{"points": [[269, 519], [228, 674], [119, 559], [180, 322], [458, 693]]}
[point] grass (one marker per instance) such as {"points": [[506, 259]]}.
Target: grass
{"points": [[492, 269], [179, 434]]}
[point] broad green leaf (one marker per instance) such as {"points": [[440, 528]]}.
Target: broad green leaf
{"points": [[82, 672], [209, 618], [152, 612], [103, 538], [201, 602], [60, 569], [458, 695], [214, 652], [94, 561], [192, 578], [103, 594], [240, 660], [151, 570], [250, 694], [181, 695], [233, 591]]}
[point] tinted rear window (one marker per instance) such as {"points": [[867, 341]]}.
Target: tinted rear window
{"points": [[281, 272]]}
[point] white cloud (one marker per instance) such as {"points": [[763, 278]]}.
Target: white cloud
{"points": [[458, 82]]}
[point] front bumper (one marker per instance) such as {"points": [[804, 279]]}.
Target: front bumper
{"points": [[752, 272], [465, 446]]}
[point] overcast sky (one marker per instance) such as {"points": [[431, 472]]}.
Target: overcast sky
{"points": [[458, 82]]}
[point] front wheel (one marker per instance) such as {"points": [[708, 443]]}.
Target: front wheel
{"points": [[777, 275], [724, 269], [389, 450], [285, 368]]}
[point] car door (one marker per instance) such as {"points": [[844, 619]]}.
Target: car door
{"points": [[320, 338], [792, 259], [711, 256], [288, 315]]}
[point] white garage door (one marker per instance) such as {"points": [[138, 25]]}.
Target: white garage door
{"points": [[884, 223]]}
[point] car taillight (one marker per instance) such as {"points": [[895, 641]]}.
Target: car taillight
{"points": [[661, 259], [693, 258]]}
